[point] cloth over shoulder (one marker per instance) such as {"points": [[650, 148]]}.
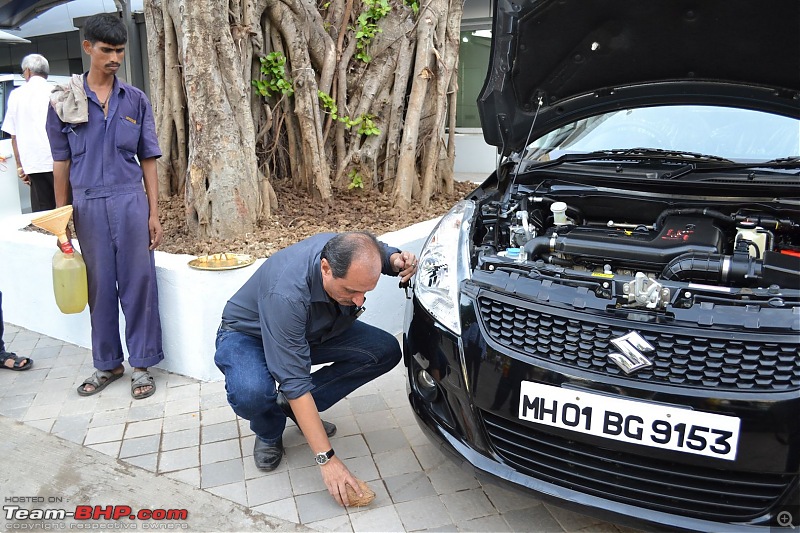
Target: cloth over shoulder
{"points": [[70, 102]]}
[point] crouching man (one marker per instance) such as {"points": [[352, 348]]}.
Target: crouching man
{"points": [[300, 308]]}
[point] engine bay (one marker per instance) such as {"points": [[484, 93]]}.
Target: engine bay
{"points": [[653, 243]]}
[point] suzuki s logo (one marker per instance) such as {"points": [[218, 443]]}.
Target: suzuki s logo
{"points": [[631, 358]]}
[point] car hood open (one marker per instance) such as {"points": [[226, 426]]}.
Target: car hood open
{"points": [[555, 61]]}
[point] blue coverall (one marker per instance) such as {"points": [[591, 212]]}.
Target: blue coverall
{"points": [[111, 215]]}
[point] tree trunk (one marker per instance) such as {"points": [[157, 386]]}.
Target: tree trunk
{"points": [[407, 165], [224, 143]]}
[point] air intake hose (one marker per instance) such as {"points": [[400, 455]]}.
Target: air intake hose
{"points": [[738, 268]]}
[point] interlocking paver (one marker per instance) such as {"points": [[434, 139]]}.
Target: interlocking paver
{"points": [[535, 518], [425, 513], [377, 420], [221, 473], [448, 478], [180, 439], [105, 434], [509, 500], [363, 468], [317, 506], [396, 462], [139, 446], [337, 524], [408, 487], [181, 421], [306, 480], [285, 509], [212, 400], [183, 406], [350, 446], [108, 448], [385, 440], [179, 459], [215, 452], [149, 411], [148, 461], [143, 428], [186, 390], [467, 504], [218, 415], [190, 476], [570, 521], [41, 412], [218, 432], [234, 492], [488, 524], [367, 403], [380, 519], [268, 488]]}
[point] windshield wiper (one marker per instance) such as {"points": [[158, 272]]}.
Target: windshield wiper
{"points": [[779, 163], [699, 163], [639, 154], [658, 153]]}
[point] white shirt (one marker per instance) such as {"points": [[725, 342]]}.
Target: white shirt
{"points": [[25, 118]]}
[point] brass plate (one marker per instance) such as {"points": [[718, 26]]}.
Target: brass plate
{"points": [[221, 261]]}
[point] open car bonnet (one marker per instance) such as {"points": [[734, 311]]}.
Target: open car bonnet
{"points": [[556, 61]]}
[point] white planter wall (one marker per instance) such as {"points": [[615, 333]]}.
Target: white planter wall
{"points": [[190, 300]]}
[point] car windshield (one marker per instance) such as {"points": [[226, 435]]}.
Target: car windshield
{"points": [[735, 134]]}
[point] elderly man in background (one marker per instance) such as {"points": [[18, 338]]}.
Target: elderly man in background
{"points": [[25, 121]]}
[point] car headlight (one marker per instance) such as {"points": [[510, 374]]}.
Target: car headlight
{"points": [[444, 264]]}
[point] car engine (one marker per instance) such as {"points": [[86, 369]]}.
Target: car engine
{"points": [[658, 246]]}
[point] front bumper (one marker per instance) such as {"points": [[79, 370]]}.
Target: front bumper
{"points": [[474, 415]]}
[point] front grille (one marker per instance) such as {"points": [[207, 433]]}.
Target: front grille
{"points": [[645, 482], [751, 362]]}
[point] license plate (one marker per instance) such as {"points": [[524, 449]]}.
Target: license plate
{"points": [[642, 423]]}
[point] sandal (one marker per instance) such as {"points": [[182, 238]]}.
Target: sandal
{"points": [[142, 378], [18, 364], [99, 380]]}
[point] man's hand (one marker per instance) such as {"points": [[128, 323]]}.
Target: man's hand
{"points": [[156, 233], [336, 477], [405, 263], [66, 247], [23, 176]]}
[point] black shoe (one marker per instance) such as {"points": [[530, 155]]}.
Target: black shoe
{"points": [[283, 403], [267, 457]]}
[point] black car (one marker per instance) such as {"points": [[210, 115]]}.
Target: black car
{"points": [[612, 319]]}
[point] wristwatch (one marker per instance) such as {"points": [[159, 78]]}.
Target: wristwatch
{"points": [[323, 457]]}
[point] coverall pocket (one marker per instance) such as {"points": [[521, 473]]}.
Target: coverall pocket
{"points": [[128, 135], [77, 139]]}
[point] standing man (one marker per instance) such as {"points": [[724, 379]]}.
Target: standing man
{"points": [[300, 309], [25, 122], [101, 130]]}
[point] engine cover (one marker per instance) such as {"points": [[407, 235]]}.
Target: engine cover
{"points": [[641, 249]]}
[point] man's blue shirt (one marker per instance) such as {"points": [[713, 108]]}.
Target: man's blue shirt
{"points": [[284, 303]]}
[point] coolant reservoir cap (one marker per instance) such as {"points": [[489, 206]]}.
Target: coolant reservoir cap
{"points": [[747, 224]]}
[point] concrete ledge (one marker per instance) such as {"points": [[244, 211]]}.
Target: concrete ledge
{"points": [[190, 300]]}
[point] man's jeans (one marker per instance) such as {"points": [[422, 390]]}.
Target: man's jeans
{"points": [[359, 355]]}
